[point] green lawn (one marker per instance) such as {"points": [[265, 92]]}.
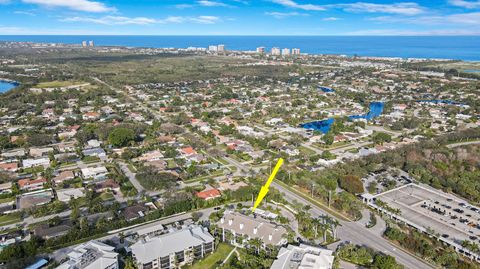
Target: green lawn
{"points": [[106, 196], [6, 200], [57, 84], [9, 219], [214, 259], [306, 151]]}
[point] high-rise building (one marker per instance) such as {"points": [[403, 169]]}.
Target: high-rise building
{"points": [[84, 44], [295, 51], [213, 48], [261, 50], [286, 52], [90, 43], [275, 51], [221, 48]]}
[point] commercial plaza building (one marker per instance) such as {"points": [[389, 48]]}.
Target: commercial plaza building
{"points": [[302, 257], [174, 249]]}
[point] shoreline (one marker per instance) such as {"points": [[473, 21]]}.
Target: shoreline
{"points": [[313, 45]]}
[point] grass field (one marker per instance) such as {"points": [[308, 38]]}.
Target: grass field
{"points": [[57, 84], [9, 219], [213, 260]]}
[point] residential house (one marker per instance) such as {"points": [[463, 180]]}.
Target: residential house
{"points": [[36, 198], [40, 152], [6, 188], [9, 166], [31, 184], [46, 232], [96, 173], [27, 163], [107, 185], [91, 116], [65, 195], [134, 212], [95, 152], [63, 176], [208, 194]]}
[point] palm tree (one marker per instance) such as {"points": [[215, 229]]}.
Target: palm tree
{"points": [[333, 225], [257, 243], [316, 222]]}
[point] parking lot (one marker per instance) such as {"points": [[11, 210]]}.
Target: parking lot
{"points": [[450, 217]]}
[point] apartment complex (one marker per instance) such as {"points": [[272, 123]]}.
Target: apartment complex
{"points": [[91, 255], [238, 230], [174, 249]]}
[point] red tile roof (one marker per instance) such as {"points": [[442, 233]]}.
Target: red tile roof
{"points": [[22, 183], [210, 194]]}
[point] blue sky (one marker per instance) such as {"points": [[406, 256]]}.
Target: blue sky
{"points": [[240, 17]]}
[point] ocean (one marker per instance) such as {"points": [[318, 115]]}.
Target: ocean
{"points": [[439, 47]]}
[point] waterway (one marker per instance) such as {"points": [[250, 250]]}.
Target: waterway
{"points": [[6, 86], [376, 109]]}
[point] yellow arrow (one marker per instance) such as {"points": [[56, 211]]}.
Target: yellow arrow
{"points": [[264, 189]]}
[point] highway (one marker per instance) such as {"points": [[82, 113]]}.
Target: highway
{"points": [[356, 233]]}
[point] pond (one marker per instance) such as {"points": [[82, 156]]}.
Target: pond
{"points": [[5, 86], [376, 109]]}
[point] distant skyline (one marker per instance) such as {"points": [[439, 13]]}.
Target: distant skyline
{"points": [[239, 17]]}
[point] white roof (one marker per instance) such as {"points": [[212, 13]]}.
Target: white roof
{"points": [[91, 255], [303, 257], [152, 248], [65, 195]]}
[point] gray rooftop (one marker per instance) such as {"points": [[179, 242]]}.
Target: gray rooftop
{"points": [[149, 249], [268, 232]]}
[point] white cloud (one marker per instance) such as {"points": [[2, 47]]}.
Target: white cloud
{"points": [[208, 3], [465, 4], [205, 19], [28, 13], [183, 6], [119, 20], [292, 4], [331, 19], [113, 20], [281, 15], [79, 5], [472, 18], [406, 8], [394, 32]]}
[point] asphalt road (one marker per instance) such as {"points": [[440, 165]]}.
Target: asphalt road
{"points": [[356, 233]]}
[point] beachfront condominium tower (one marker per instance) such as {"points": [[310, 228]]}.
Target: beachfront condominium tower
{"points": [[221, 48], [261, 50], [295, 51], [275, 51], [286, 52]]}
